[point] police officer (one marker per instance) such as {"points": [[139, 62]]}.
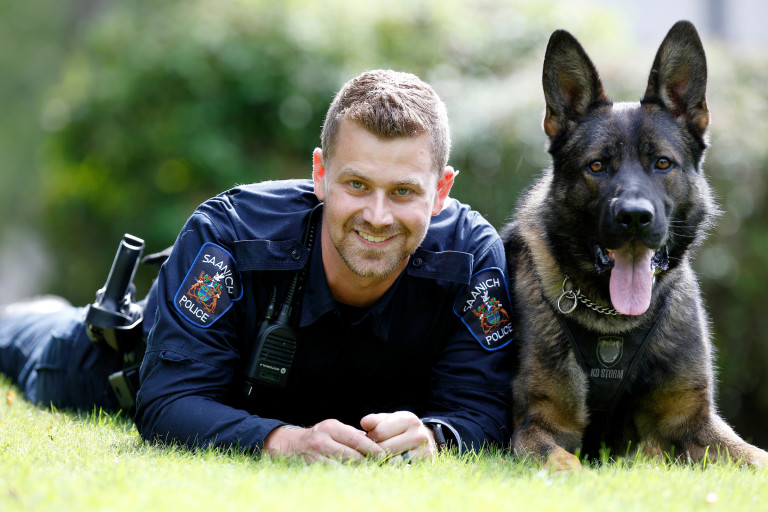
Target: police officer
{"points": [[388, 302]]}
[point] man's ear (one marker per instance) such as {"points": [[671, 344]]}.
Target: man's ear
{"points": [[443, 189], [318, 173]]}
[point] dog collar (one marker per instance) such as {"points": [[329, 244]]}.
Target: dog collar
{"points": [[575, 295]]}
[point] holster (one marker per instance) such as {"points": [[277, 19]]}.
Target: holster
{"points": [[114, 321]]}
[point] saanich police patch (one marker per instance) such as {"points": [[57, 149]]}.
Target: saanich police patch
{"points": [[485, 309], [210, 287]]}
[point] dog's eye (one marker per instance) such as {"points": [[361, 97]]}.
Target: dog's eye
{"points": [[596, 166], [663, 164]]}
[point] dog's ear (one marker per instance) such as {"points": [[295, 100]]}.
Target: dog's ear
{"points": [[678, 79], [571, 84]]}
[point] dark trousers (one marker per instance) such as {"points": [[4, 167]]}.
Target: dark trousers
{"points": [[51, 359]]}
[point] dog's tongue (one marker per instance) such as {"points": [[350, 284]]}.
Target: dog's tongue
{"points": [[631, 279]]}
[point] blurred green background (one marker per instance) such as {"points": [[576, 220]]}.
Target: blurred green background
{"points": [[122, 116]]}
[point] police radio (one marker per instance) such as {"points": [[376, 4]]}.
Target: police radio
{"points": [[275, 345], [274, 349]]}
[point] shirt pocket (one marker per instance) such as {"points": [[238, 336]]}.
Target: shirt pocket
{"points": [[172, 358]]}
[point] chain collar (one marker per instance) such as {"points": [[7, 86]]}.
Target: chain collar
{"points": [[576, 297]]}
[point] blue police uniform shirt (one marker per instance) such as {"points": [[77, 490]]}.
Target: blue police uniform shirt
{"points": [[435, 344]]}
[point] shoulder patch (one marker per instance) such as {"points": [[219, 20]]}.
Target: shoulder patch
{"points": [[484, 307], [210, 286]]}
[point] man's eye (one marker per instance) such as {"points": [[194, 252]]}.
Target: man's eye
{"points": [[357, 185], [402, 191]]}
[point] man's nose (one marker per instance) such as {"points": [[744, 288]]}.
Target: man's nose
{"points": [[378, 212]]}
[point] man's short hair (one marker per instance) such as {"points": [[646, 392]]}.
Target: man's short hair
{"points": [[390, 104]]}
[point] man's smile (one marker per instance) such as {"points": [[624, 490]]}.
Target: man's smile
{"points": [[373, 238]]}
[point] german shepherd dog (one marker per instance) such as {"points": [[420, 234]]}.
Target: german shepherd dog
{"points": [[615, 347]]}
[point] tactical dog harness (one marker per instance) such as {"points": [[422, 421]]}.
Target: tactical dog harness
{"points": [[608, 362]]}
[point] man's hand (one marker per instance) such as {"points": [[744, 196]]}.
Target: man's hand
{"points": [[401, 432], [329, 441]]}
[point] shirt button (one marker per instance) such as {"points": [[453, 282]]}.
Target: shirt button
{"points": [[417, 262], [296, 255]]}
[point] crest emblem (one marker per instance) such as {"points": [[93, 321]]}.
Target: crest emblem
{"points": [[490, 313], [483, 307], [609, 350], [206, 291], [210, 286]]}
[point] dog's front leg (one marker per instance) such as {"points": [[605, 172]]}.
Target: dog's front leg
{"points": [[550, 411], [721, 441], [685, 419]]}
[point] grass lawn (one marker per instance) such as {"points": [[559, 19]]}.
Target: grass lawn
{"points": [[60, 461]]}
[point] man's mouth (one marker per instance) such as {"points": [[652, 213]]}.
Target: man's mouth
{"points": [[633, 268], [373, 238]]}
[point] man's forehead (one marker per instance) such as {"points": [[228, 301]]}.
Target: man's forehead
{"points": [[359, 149]]}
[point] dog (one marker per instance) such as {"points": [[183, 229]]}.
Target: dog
{"points": [[614, 344]]}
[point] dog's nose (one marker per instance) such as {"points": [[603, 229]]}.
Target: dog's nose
{"points": [[635, 214]]}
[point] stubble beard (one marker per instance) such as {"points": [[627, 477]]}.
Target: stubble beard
{"points": [[373, 263]]}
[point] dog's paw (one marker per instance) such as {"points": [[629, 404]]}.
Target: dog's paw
{"points": [[757, 458], [649, 450], [560, 461]]}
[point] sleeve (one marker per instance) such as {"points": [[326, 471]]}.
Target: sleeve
{"points": [[471, 383], [188, 374]]}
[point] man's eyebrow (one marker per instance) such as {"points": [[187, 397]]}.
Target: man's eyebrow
{"points": [[351, 172], [409, 183]]}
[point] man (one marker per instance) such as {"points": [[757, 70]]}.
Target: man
{"points": [[399, 310]]}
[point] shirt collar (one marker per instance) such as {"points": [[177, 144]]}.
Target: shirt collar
{"points": [[318, 300], [451, 268]]}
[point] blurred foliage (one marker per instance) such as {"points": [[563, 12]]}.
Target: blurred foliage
{"points": [[734, 266], [160, 105], [164, 104], [31, 51], [25, 76]]}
